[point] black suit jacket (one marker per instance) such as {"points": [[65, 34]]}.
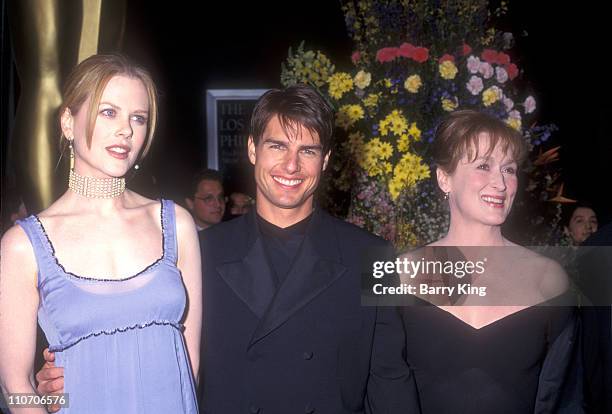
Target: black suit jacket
{"points": [[308, 347]]}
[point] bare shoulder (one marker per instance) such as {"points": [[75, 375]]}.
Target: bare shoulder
{"points": [[16, 251], [184, 220], [16, 242], [550, 275]]}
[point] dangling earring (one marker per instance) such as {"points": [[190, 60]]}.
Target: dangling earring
{"points": [[136, 166], [447, 195], [71, 155]]}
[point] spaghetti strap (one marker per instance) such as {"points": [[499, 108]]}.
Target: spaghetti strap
{"points": [[169, 230]]}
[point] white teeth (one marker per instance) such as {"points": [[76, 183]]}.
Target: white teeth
{"points": [[287, 182], [492, 200], [118, 150]]}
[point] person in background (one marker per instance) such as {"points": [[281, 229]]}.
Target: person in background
{"points": [[579, 221], [240, 203], [207, 199]]}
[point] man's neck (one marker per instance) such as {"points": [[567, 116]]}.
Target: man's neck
{"points": [[284, 217]]}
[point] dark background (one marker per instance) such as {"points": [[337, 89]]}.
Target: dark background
{"points": [[194, 46]]}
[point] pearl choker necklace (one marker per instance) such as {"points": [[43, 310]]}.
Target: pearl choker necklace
{"points": [[95, 187]]}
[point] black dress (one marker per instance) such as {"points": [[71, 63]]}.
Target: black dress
{"points": [[504, 367]]}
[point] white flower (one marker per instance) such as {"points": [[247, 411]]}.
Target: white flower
{"points": [[501, 75], [362, 79], [508, 103], [486, 70], [473, 63], [475, 85], [530, 104]]}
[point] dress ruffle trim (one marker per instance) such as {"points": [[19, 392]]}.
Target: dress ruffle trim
{"points": [[63, 347]]}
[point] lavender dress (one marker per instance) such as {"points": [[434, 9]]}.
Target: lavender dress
{"points": [[119, 341]]}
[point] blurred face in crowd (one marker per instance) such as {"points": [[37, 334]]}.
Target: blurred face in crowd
{"points": [[240, 203], [481, 191], [582, 224], [288, 167], [119, 132], [208, 203]]}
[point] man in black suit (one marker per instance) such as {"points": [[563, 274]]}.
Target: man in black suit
{"points": [[284, 331]]}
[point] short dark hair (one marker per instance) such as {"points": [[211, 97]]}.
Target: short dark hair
{"points": [[204, 174], [297, 104], [567, 210], [457, 135]]}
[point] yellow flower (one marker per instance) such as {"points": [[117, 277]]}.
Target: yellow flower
{"points": [[514, 123], [371, 100], [408, 171], [387, 82], [354, 143], [394, 122], [395, 187], [402, 143], [491, 95], [449, 105], [447, 69], [385, 150], [339, 84], [348, 115], [414, 131], [355, 112], [362, 79], [413, 83]]}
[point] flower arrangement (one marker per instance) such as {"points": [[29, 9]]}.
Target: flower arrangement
{"points": [[389, 105]]}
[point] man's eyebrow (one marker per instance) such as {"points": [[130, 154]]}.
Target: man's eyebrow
{"points": [[311, 147], [274, 141]]}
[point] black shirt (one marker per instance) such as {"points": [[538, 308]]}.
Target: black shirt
{"points": [[282, 245]]}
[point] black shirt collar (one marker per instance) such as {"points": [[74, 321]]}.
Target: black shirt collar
{"points": [[271, 230]]}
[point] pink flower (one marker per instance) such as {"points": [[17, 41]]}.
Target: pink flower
{"points": [[475, 85], [421, 54], [530, 104], [501, 75], [486, 70], [406, 50], [473, 63], [512, 70], [466, 49], [386, 54], [446, 57], [489, 55], [508, 103], [514, 114], [356, 56]]}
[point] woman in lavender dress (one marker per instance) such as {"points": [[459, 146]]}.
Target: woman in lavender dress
{"points": [[112, 277]]}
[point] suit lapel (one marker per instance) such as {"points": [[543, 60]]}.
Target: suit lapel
{"points": [[251, 278], [314, 269], [250, 275]]}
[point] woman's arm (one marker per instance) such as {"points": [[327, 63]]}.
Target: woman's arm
{"points": [[18, 307], [189, 263]]}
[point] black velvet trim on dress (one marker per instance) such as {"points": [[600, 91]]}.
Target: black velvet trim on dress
{"points": [[94, 279]]}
